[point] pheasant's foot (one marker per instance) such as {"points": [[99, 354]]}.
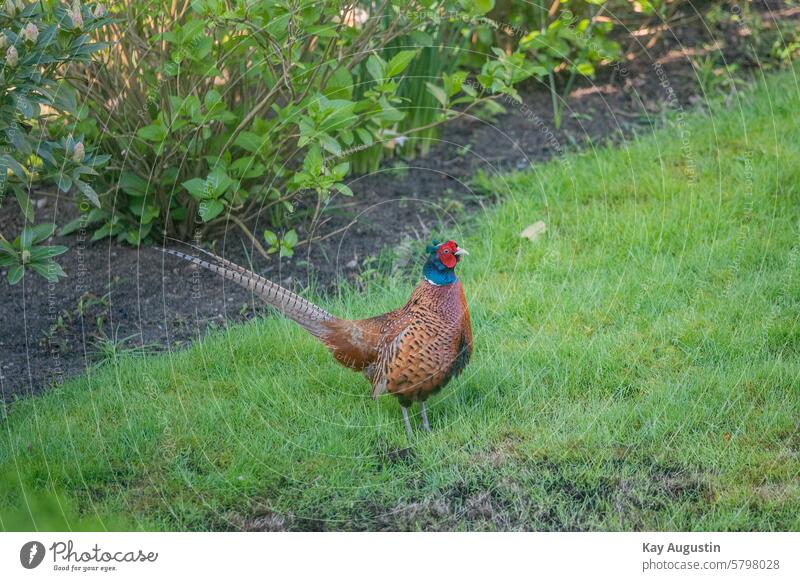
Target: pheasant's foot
{"points": [[425, 425], [409, 433]]}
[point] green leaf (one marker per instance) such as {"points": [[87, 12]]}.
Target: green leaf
{"points": [[105, 230], [15, 274], [24, 203], [149, 213], [454, 82], [330, 144], [484, 6], [50, 270], [44, 252], [88, 49], [43, 151], [313, 162], [89, 192], [71, 226], [43, 231], [249, 141], [290, 238], [365, 136], [196, 187], [210, 209], [212, 98], [7, 247], [154, 132], [346, 136], [192, 30], [191, 105], [132, 184], [322, 30], [438, 93], [340, 85], [400, 61], [97, 160], [96, 215], [132, 237], [24, 106], [375, 67], [270, 238], [247, 167], [340, 171], [338, 114], [26, 238], [16, 168], [64, 183], [389, 113], [478, 7], [65, 98], [19, 139], [219, 182], [344, 190]]}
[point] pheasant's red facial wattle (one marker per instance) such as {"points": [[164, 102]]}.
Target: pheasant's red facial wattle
{"points": [[447, 253]]}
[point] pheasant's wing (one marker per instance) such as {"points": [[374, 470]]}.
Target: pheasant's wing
{"points": [[386, 364], [391, 341], [416, 357]]}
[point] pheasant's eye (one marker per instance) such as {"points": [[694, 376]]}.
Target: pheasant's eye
{"points": [[447, 251]]}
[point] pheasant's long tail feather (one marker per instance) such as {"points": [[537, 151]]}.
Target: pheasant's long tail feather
{"points": [[303, 312]]}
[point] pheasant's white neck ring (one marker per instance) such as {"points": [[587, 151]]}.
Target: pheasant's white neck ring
{"points": [[429, 281]]}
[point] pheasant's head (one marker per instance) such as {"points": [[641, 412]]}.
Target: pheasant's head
{"points": [[442, 260]]}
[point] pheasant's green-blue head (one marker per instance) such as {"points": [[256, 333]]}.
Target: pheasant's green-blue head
{"points": [[442, 261]]}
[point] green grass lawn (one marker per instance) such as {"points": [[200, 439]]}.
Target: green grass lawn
{"points": [[636, 367]]}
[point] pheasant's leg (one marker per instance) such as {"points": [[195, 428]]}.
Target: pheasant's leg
{"points": [[425, 425], [406, 422]]}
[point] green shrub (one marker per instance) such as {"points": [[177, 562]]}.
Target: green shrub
{"points": [[226, 111], [38, 42], [572, 40], [442, 39]]}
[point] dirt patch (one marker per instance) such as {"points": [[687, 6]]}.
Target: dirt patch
{"points": [[777, 493], [117, 297], [554, 496], [388, 456], [267, 522], [534, 496]]}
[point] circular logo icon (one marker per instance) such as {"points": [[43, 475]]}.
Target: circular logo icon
{"points": [[31, 554]]}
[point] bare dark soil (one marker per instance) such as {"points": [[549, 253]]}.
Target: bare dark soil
{"points": [[541, 495], [115, 292]]}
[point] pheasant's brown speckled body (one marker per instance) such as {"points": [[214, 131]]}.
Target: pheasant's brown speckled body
{"points": [[410, 353]]}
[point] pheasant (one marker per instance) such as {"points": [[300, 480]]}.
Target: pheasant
{"points": [[410, 353]]}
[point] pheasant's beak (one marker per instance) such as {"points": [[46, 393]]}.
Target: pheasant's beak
{"points": [[461, 252]]}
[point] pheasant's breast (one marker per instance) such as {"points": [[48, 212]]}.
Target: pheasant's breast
{"points": [[426, 343]]}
